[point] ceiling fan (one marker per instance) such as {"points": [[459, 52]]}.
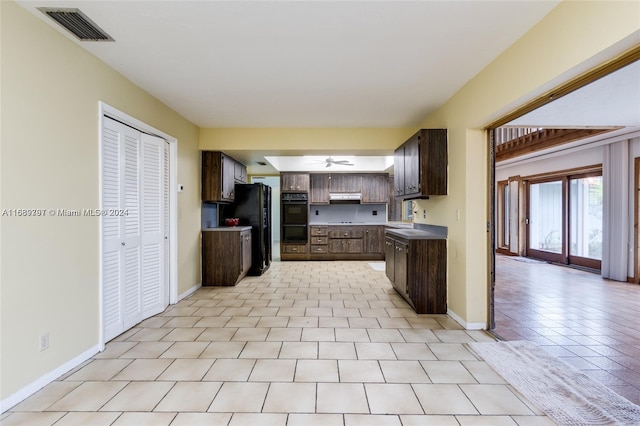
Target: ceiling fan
{"points": [[330, 162]]}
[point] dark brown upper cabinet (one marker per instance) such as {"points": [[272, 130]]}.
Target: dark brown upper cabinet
{"points": [[420, 165], [375, 188], [319, 188], [344, 182], [294, 182], [240, 173], [219, 176]]}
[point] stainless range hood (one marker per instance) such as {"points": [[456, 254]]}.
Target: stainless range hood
{"points": [[344, 198]]}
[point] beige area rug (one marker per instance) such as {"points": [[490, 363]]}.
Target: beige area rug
{"points": [[562, 392]]}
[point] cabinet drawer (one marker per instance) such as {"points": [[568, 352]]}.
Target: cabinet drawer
{"points": [[318, 231], [319, 249], [294, 248], [346, 233], [318, 240]]}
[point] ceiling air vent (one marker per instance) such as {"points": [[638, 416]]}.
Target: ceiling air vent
{"points": [[77, 23]]}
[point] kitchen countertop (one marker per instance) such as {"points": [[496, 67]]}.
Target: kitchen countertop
{"points": [[415, 234], [392, 224], [347, 224], [228, 229], [398, 224]]}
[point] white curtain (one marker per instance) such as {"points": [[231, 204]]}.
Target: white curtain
{"points": [[615, 247]]}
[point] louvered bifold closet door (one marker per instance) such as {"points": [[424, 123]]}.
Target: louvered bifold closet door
{"points": [[121, 233], [153, 225]]}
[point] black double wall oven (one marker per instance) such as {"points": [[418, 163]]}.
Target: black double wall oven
{"points": [[295, 217]]}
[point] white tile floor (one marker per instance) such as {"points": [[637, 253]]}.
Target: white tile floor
{"points": [[307, 343]]}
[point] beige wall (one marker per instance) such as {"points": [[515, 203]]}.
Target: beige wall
{"points": [[292, 139], [50, 265], [571, 39]]}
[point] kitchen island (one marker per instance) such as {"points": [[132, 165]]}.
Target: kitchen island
{"points": [[416, 265]]}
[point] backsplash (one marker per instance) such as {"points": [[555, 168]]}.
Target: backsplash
{"points": [[209, 215], [338, 213]]}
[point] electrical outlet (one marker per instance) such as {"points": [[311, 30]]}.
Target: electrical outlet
{"points": [[44, 341], [374, 212]]}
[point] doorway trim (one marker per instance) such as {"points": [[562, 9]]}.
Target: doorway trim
{"points": [[607, 67], [106, 110]]}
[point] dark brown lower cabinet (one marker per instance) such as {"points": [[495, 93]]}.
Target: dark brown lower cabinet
{"points": [[345, 245], [226, 256], [290, 251], [342, 242], [417, 269]]}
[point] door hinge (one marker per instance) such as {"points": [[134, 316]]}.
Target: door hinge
{"points": [[526, 221]]}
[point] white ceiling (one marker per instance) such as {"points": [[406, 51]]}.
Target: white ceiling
{"points": [[319, 63], [613, 100], [303, 63]]}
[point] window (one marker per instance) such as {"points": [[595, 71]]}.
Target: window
{"points": [[564, 219], [585, 217]]}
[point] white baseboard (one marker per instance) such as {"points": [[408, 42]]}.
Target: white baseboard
{"points": [[41, 382], [464, 324], [189, 292]]}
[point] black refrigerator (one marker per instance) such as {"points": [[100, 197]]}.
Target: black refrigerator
{"points": [[252, 206]]}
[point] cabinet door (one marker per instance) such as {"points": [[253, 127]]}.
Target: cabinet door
{"points": [[354, 245], [398, 171], [373, 239], [340, 182], [412, 166], [434, 161], [375, 189], [223, 257], [212, 176], [337, 246], [302, 182], [228, 178], [246, 251], [346, 245], [389, 258], [240, 172], [400, 267], [294, 182], [319, 188]]}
